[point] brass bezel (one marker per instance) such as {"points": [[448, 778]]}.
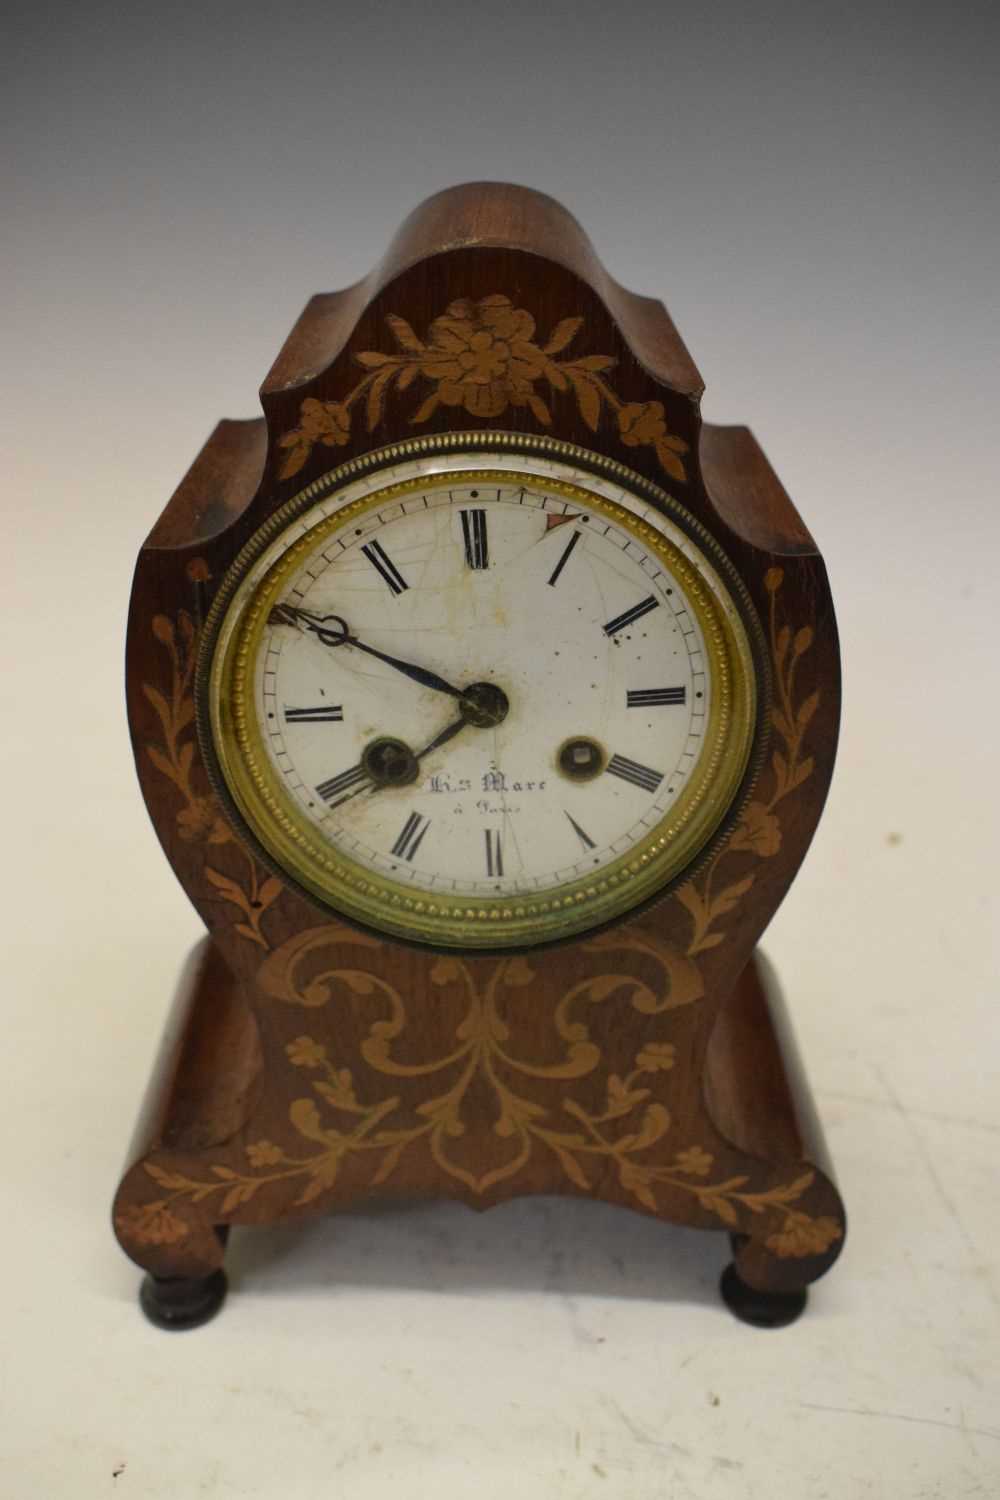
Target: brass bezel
{"points": [[290, 843]]}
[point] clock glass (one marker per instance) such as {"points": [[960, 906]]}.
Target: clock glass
{"points": [[480, 693]]}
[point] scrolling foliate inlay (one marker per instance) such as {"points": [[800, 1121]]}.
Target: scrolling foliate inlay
{"points": [[758, 833], [565, 1099], [627, 1130], [482, 356], [199, 818]]}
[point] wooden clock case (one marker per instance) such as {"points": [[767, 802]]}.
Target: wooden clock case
{"points": [[308, 1064]]}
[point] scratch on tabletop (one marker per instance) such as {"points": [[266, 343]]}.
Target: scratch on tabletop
{"points": [[641, 1436], [939, 1117], [899, 1416], [925, 1156]]}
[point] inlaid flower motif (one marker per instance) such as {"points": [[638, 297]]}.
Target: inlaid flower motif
{"points": [[306, 1053], [800, 1235], [264, 1154], [326, 422], [152, 1224], [482, 357], [643, 424], [657, 1057], [200, 822], [758, 831], [695, 1161]]}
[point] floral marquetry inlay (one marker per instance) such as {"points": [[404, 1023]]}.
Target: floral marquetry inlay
{"points": [[627, 1126], [390, 1096], [483, 357]]}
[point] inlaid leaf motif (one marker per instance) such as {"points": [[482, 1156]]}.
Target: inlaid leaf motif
{"points": [[759, 833], [156, 698], [563, 334], [323, 1177], [161, 763], [723, 1208], [305, 1117], [588, 398], [405, 335], [200, 819], [388, 1163], [572, 1168], [376, 398], [806, 710], [242, 1193], [164, 1178], [299, 450]]}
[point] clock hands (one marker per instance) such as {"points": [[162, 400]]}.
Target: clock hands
{"points": [[333, 631], [390, 762], [446, 734], [386, 762]]}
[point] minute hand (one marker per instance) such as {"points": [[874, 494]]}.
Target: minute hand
{"points": [[333, 631]]}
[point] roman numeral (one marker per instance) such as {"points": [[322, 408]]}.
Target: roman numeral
{"points": [[630, 770], [629, 616], [331, 713], [585, 839], [338, 788], [494, 853], [410, 839], [655, 697], [567, 550], [381, 562], [477, 551]]}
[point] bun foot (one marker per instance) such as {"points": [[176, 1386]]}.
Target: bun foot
{"points": [[177, 1302], [761, 1309]]}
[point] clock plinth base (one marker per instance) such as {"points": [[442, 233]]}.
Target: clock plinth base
{"points": [[760, 1309], [191, 1174], [179, 1302]]}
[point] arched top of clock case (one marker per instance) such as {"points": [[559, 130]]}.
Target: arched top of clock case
{"points": [[496, 216], [473, 244]]}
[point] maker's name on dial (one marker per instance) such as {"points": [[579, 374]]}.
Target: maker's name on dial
{"points": [[489, 781]]}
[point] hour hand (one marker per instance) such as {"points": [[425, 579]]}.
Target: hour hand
{"points": [[333, 630], [442, 739], [384, 763]]}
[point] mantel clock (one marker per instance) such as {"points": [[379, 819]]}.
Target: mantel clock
{"points": [[484, 700]]}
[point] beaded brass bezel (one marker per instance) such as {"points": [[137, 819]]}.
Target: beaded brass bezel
{"points": [[290, 843]]}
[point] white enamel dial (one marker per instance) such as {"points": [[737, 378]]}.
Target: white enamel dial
{"points": [[469, 679]]}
